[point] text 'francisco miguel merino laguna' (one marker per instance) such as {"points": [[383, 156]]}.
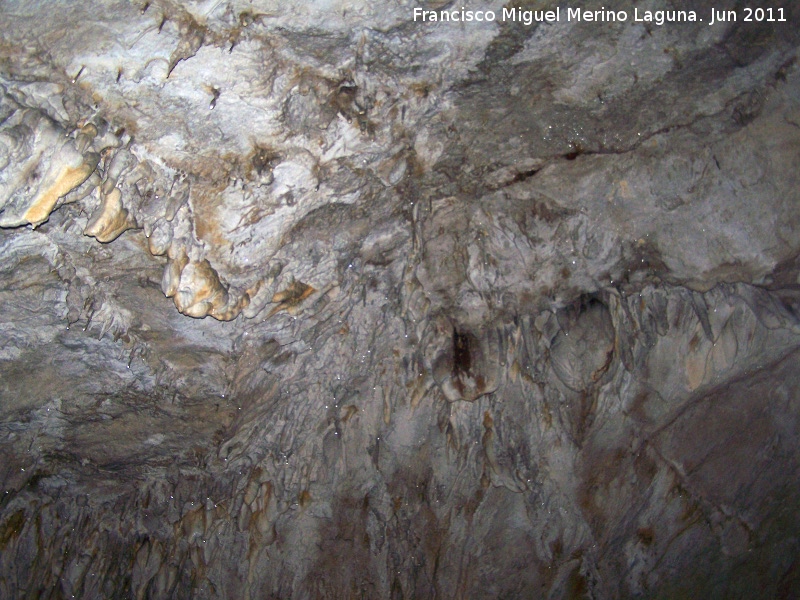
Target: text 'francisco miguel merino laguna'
{"points": [[658, 17]]}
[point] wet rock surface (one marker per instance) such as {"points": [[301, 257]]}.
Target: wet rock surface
{"points": [[314, 301]]}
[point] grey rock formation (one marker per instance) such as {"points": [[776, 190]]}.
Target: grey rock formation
{"points": [[314, 300]]}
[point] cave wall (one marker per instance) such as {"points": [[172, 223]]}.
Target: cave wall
{"points": [[317, 301]]}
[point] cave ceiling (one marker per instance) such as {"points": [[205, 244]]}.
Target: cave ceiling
{"points": [[317, 300]]}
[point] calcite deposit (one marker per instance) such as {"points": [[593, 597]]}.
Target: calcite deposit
{"points": [[320, 300]]}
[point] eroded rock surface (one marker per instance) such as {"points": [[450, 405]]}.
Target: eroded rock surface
{"points": [[315, 301]]}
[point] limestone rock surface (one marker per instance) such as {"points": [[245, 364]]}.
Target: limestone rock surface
{"points": [[314, 300]]}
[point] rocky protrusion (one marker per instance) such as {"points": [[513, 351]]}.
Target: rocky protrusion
{"points": [[111, 219], [583, 349], [197, 291], [42, 165]]}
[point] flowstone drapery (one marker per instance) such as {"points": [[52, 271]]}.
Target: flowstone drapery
{"points": [[319, 301]]}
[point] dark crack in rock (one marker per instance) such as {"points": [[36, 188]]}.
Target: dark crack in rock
{"points": [[317, 300]]}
